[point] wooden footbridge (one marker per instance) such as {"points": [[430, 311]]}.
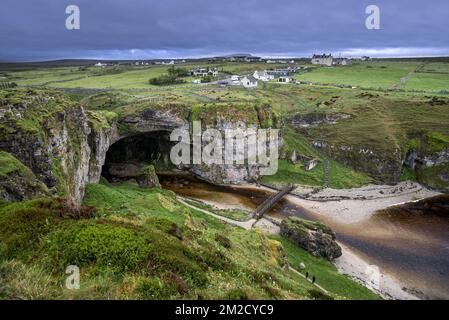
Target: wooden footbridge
{"points": [[265, 206]]}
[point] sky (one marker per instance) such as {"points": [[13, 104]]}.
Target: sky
{"points": [[35, 30]]}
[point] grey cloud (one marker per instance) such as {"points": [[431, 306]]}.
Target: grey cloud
{"points": [[35, 29]]}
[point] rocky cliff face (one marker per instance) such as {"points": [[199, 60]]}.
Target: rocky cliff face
{"points": [[55, 138], [65, 146], [379, 165], [247, 118]]}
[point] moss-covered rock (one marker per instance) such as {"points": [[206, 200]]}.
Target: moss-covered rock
{"points": [[148, 178], [17, 181], [315, 237], [54, 137]]}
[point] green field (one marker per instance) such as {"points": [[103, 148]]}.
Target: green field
{"points": [[382, 75], [386, 115]]}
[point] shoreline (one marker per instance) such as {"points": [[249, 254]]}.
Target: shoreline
{"points": [[348, 207], [358, 269]]}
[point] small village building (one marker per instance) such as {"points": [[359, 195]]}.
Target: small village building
{"points": [[285, 80], [322, 59], [263, 75], [249, 82], [342, 62], [204, 72]]}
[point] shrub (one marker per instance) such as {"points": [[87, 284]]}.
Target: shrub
{"points": [[319, 295], [24, 224], [123, 247], [237, 294], [224, 241], [156, 289], [86, 243]]}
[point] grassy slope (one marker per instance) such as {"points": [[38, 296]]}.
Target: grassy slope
{"points": [[143, 244], [325, 272]]}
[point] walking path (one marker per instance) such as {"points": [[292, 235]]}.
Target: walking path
{"points": [[243, 224], [315, 284]]}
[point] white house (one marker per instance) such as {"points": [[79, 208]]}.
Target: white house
{"points": [[262, 75], [249, 82], [204, 72], [99, 64], [342, 62]]}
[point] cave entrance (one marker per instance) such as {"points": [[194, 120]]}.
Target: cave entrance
{"points": [[126, 157]]}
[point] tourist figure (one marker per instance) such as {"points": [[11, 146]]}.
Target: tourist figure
{"points": [[307, 274], [313, 279]]}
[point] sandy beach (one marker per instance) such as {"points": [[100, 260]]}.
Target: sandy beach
{"points": [[348, 212], [352, 206], [357, 204], [370, 276]]}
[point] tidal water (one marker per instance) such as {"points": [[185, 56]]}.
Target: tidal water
{"points": [[410, 242]]}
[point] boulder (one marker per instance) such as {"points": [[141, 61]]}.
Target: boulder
{"points": [[148, 178], [315, 237]]}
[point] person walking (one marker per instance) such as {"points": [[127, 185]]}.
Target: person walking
{"points": [[307, 274], [313, 279]]}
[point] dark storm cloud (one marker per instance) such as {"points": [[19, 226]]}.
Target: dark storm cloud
{"points": [[35, 29]]}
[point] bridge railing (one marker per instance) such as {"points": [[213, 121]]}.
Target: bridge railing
{"points": [[265, 206]]}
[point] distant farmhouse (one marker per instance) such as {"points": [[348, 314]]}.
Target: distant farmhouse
{"points": [[342, 62], [204, 72], [322, 59], [249, 82], [328, 60], [263, 75]]}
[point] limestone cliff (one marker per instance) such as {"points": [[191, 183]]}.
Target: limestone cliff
{"points": [[65, 146]]}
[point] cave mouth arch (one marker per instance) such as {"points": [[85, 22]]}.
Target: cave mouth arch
{"points": [[127, 156]]}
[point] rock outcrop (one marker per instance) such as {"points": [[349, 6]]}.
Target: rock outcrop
{"points": [[314, 237], [65, 146], [53, 136], [17, 181], [148, 178]]}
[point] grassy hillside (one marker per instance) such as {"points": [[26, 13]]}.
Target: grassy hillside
{"points": [[143, 244]]}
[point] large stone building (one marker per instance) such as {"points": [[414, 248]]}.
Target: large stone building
{"points": [[322, 59], [328, 60]]}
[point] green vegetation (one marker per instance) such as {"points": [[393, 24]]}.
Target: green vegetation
{"points": [[141, 243], [137, 246], [173, 76], [9, 164], [325, 272], [18, 179]]}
